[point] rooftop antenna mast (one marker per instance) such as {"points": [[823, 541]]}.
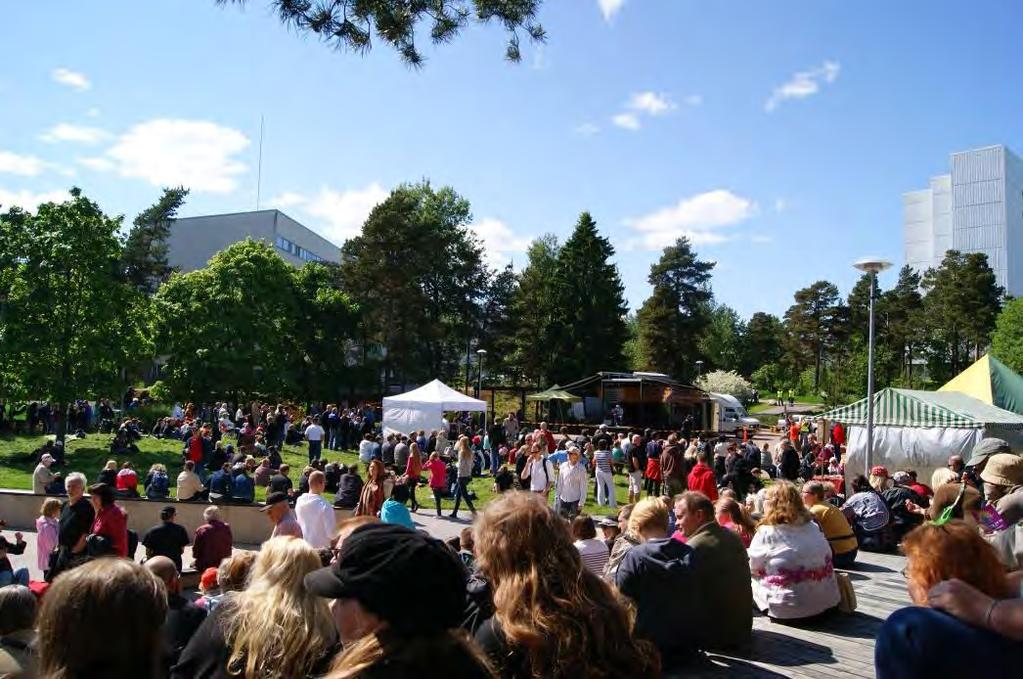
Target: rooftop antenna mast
{"points": [[259, 166]]}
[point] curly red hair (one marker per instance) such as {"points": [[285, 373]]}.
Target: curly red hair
{"points": [[954, 550]]}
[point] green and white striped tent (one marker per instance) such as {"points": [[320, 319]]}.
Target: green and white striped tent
{"points": [[921, 429], [932, 409]]}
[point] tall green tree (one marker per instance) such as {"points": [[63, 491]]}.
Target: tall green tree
{"points": [[497, 325], [810, 324], [761, 343], [858, 304], [672, 319], [592, 301], [903, 321], [961, 306], [417, 274], [539, 322], [1007, 341], [351, 25], [721, 342], [144, 258], [69, 319], [228, 328]]}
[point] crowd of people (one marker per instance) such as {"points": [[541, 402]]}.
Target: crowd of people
{"points": [[711, 532]]}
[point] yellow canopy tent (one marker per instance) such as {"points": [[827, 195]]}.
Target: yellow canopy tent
{"points": [[991, 381]]}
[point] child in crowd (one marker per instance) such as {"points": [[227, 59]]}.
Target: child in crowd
{"points": [[47, 529], [209, 590]]}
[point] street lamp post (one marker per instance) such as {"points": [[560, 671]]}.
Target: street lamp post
{"points": [[699, 369], [872, 266], [480, 355]]}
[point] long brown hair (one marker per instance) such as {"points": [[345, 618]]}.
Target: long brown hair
{"points": [[102, 619], [567, 621]]}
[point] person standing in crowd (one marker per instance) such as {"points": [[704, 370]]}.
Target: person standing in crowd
{"points": [[281, 516], [543, 623], [570, 488], [702, 479], [183, 617], [42, 477], [466, 459], [274, 628], [413, 468], [314, 438], [673, 467], [963, 602], [788, 541], [47, 533], [592, 551], [538, 471], [213, 540], [438, 478], [315, 514], [658, 576], [18, 656], [511, 428], [366, 449], [76, 517], [102, 619], [393, 636], [111, 521], [189, 485], [167, 539], [604, 473], [724, 611], [833, 523], [372, 497], [401, 451]]}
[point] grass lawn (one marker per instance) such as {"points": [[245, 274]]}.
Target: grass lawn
{"points": [[88, 456]]}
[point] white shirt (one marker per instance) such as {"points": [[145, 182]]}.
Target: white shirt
{"points": [[793, 576], [188, 485], [572, 482], [365, 450], [314, 432], [538, 481], [594, 555], [316, 517], [721, 450]]}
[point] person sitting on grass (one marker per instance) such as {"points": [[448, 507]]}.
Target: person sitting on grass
{"points": [[349, 487], [108, 474], [127, 481], [503, 479], [157, 484]]}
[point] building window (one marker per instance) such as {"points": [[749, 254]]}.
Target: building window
{"points": [[283, 243]]}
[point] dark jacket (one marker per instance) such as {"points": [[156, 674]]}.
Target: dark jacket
{"points": [[658, 575], [183, 619], [348, 492], [725, 614]]}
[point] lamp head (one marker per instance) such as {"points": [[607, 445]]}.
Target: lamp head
{"points": [[872, 265]]}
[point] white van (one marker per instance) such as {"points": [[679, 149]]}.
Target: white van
{"points": [[731, 415]]}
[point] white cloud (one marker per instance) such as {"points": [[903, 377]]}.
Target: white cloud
{"points": [[694, 100], [780, 205], [27, 200], [197, 154], [499, 241], [72, 79], [26, 166], [627, 121], [698, 217], [610, 7], [651, 103], [74, 133], [587, 129], [93, 112], [803, 84], [341, 213]]}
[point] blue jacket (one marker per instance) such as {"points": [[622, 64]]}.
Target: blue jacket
{"points": [[244, 488], [220, 483]]}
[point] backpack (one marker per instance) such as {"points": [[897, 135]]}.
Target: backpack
{"points": [[159, 484]]}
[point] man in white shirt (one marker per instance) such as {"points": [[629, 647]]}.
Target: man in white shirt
{"points": [[315, 514], [189, 485], [571, 486], [42, 477], [539, 471], [314, 437], [511, 428]]}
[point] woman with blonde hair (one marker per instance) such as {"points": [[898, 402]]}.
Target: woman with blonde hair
{"points": [[273, 628], [466, 460], [413, 468], [372, 497], [790, 559], [109, 474], [544, 600], [156, 484], [941, 476], [47, 533]]}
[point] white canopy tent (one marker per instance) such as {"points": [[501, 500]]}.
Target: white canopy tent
{"points": [[424, 408]]}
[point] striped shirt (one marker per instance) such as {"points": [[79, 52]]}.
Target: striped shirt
{"points": [[594, 554], [602, 458]]}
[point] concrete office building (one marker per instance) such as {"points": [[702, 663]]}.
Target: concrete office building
{"points": [[978, 207], [194, 240]]}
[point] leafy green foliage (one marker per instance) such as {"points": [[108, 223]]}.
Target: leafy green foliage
{"points": [[535, 307], [761, 343], [350, 25], [811, 324], [1007, 342], [144, 258], [721, 343]]}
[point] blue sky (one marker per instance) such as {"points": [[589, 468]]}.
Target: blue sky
{"points": [[779, 135]]}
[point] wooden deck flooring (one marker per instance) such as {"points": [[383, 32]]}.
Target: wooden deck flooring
{"points": [[840, 646]]}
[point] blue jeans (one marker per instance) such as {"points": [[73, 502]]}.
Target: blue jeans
{"points": [[462, 491], [495, 462], [16, 577], [924, 642]]}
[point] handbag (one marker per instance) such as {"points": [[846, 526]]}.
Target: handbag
{"points": [[847, 600]]}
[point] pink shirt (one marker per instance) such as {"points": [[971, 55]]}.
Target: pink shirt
{"points": [[438, 473], [46, 541]]}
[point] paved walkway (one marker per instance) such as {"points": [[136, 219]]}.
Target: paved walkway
{"points": [[795, 409]]}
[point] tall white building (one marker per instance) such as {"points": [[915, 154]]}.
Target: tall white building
{"points": [[978, 207]]}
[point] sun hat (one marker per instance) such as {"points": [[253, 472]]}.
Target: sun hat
{"points": [[375, 557], [985, 449], [274, 499], [608, 522], [1003, 469], [902, 478], [46, 457]]}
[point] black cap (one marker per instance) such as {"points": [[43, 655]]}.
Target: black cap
{"points": [[167, 512], [375, 564], [273, 499]]}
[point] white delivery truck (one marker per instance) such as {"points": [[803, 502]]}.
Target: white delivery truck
{"points": [[730, 415]]}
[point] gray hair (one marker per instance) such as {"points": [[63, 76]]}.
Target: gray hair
{"points": [[75, 477], [211, 512], [17, 609]]}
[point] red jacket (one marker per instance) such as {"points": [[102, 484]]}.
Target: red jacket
{"points": [[701, 478], [112, 523], [195, 449]]}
